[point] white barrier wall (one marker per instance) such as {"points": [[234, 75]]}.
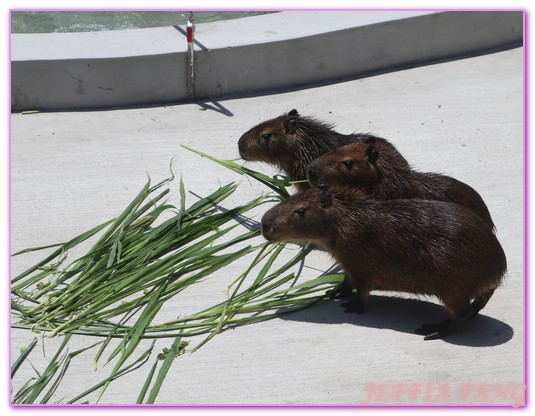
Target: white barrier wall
{"points": [[283, 50]]}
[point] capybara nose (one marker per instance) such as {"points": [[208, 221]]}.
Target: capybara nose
{"points": [[312, 176], [241, 148], [267, 229]]}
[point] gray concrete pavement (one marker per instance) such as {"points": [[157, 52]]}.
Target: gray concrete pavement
{"points": [[463, 118]]}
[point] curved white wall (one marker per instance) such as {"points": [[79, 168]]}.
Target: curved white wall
{"points": [[282, 50]]}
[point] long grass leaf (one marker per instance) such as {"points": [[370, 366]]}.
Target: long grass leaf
{"points": [[177, 348], [25, 352], [148, 381], [139, 362], [62, 371], [131, 342], [32, 391], [63, 247], [279, 186]]}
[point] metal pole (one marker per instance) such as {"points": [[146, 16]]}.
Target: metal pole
{"points": [[190, 77]]}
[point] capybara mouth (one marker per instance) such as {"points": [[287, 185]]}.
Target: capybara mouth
{"points": [[313, 178]]}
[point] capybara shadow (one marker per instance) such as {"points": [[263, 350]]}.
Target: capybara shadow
{"points": [[399, 314]]}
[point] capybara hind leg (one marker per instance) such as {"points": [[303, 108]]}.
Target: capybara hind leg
{"points": [[458, 313], [480, 302]]}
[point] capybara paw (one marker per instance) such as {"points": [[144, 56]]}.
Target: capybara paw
{"points": [[353, 305]]}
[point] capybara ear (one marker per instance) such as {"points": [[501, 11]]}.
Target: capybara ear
{"points": [[289, 125], [293, 113], [326, 198], [372, 154]]}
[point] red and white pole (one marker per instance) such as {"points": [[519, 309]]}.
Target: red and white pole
{"points": [[189, 28], [190, 36]]}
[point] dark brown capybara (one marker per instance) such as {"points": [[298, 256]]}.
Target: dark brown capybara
{"points": [[408, 245], [371, 167], [290, 142]]}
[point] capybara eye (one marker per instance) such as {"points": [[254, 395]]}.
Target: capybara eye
{"points": [[266, 136], [348, 163], [300, 211]]}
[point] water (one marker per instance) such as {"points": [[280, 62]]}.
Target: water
{"points": [[50, 22]]}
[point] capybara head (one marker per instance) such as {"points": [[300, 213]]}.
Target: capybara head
{"points": [[358, 164], [290, 142], [269, 141], [353, 164], [301, 217]]}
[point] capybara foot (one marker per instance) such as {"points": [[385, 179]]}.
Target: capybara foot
{"points": [[354, 304], [436, 331]]}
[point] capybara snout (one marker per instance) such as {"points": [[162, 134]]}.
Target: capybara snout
{"points": [[312, 175], [267, 228]]}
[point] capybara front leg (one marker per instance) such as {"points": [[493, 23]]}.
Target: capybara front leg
{"points": [[358, 301], [343, 290]]}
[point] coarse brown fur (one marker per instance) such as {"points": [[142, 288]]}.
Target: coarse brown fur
{"points": [[290, 142], [372, 168], [417, 246]]}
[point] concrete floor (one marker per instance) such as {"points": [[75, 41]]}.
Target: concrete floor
{"points": [[73, 170]]}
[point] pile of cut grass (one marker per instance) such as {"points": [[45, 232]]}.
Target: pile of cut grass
{"points": [[144, 259]]}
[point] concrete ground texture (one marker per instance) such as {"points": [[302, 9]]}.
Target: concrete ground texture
{"points": [[73, 170]]}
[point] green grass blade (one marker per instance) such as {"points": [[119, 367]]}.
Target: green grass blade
{"points": [[25, 352], [63, 370], [31, 392], [277, 185], [182, 208], [147, 383], [176, 350], [63, 247], [131, 342], [139, 362]]}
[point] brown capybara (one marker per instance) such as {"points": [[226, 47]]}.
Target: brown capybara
{"points": [[408, 245], [291, 141], [370, 167]]}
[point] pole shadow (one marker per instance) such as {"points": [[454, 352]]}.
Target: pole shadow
{"points": [[215, 106], [195, 41]]}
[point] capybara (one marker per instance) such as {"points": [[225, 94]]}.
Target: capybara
{"points": [[408, 245], [370, 167], [290, 142]]}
